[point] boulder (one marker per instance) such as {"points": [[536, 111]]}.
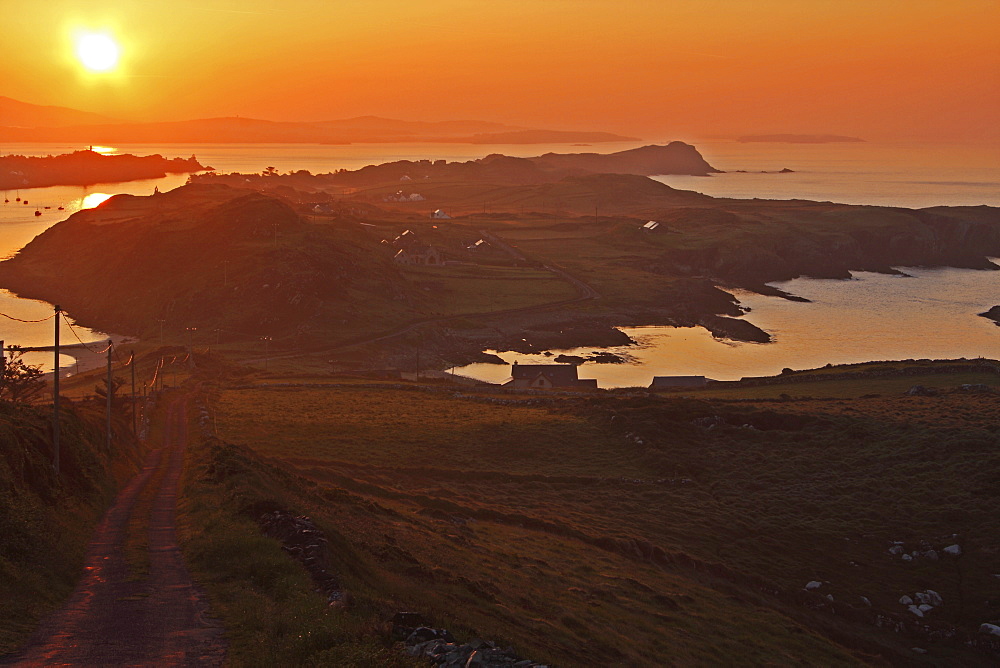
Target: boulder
{"points": [[953, 550], [921, 391], [991, 629], [931, 554], [934, 598], [915, 610], [924, 608], [813, 584], [905, 600], [907, 557]]}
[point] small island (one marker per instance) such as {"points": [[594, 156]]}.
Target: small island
{"points": [[84, 168], [993, 314]]}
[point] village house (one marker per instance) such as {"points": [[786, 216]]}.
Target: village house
{"points": [[547, 377]]}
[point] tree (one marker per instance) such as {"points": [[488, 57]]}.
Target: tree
{"points": [[20, 382], [101, 389], [269, 171]]}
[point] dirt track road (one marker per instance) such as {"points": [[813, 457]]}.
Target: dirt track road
{"points": [[110, 620]]}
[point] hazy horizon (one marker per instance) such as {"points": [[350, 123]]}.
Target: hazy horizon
{"points": [[883, 71]]}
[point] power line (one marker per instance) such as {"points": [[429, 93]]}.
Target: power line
{"points": [[82, 342], [28, 321]]}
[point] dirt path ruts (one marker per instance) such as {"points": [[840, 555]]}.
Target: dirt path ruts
{"points": [[158, 620]]}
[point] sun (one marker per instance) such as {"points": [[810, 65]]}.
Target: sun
{"points": [[98, 52]]}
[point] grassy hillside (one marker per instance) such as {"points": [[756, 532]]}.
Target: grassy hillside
{"points": [[630, 529], [46, 522]]}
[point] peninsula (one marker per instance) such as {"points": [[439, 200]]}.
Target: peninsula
{"points": [[84, 168]]}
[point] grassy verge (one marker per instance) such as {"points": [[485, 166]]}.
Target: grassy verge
{"points": [[46, 522], [266, 600]]}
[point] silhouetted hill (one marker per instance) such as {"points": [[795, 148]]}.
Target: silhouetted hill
{"points": [[14, 113], [673, 158], [199, 256]]}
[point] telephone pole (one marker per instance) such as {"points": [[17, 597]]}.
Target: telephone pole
{"points": [[108, 397], [134, 424], [55, 396]]}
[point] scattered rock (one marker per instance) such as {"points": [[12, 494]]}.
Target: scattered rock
{"points": [[953, 550], [931, 554], [896, 549], [813, 584], [921, 391], [905, 600], [440, 646], [868, 603], [915, 610], [306, 543], [918, 650], [924, 608], [907, 557], [991, 629], [934, 598]]}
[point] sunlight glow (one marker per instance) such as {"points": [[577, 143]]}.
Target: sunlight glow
{"points": [[93, 200], [104, 150], [98, 52]]}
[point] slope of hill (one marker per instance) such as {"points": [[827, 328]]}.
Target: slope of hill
{"points": [[612, 529], [14, 113], [199, 256]]}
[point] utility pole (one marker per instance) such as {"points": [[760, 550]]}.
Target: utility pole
{"points": [[55, 397], [132, 364], [108, 396], [267, 348], [190, 331]]}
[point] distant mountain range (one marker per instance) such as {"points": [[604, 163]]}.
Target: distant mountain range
{"points": [[23, 122], [16, 114]]}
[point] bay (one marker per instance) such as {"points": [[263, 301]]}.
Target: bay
{"points": [[930, 314]]}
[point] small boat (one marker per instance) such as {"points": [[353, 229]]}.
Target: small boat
{"points": [[61, 208], [25, 202], [18, 196], [48, 207], [37, 212]]}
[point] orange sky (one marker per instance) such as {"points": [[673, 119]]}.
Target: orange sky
{"points": [[659, 69]]}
